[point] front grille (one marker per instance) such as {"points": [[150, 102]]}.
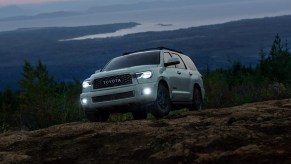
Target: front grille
{"points": [[112, 81], [116, 96]]}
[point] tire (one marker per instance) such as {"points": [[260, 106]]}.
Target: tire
{"points": [[140, 115], [97, 117], [197, 100], [162, 105]]}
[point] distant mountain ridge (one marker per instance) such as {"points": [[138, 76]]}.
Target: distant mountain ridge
{"points": [[14, 13], [95, 9], [212, 46], [42, 16], [182, 13], [10, 11]]}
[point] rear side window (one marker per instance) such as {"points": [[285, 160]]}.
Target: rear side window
{"points": [[189, 62]]}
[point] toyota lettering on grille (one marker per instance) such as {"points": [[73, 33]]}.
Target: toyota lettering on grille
{"points": [[113, 81]]}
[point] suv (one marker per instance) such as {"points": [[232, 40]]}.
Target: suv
{"points": [[155, 80]]}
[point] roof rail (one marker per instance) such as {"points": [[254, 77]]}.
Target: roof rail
{"points": [[149, 49]]}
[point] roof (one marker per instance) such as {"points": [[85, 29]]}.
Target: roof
{"points": [[152, 49]]}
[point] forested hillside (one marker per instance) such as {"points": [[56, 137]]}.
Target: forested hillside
{"points": [[213, 46]]}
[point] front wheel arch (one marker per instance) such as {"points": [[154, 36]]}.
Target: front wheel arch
{"points": [[198, 87], [165, 84]]}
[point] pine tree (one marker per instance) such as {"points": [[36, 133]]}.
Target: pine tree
{"points": [[277, 47], [277, 65], [27, 82], [36, 94]]}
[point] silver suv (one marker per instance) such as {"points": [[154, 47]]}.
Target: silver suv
{"points": [[154, 80]]}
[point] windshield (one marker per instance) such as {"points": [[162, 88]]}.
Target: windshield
{"points": [[131, 60]]}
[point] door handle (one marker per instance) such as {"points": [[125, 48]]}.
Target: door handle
{"points": [[178, 72], [190, 74]]}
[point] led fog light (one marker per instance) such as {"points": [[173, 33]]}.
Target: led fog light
{"points": [[84, 101], [147, 91]]}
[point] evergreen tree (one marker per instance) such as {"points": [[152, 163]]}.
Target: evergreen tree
{"points": [[277, 47], [45, 102], [277, 65], [36, 94]]}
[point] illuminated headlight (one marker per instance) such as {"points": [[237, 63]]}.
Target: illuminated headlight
{"points": [[86, 84], [147, 91], [144, 75], [84, 101]]}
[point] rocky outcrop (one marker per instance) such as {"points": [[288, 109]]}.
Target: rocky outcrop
{"points": [[251, 133]]}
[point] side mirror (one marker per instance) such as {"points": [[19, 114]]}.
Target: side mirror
{"points": [[99, 70], [172, 61]]}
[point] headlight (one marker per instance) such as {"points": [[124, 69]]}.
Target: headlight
{"points": [[144, 75], [86, 84]]}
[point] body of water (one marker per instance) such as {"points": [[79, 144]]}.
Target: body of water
{"points": [[161, 19]]}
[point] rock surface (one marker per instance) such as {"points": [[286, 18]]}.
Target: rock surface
{"points": [[251, 133]]}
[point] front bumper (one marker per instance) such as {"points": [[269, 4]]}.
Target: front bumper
{"points": [[103, 99]]}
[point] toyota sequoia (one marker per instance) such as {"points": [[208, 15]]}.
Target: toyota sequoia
{"points": [[149, 81]]}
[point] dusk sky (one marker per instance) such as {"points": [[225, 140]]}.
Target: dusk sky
{"points": [[21, 2], [14, 2]]}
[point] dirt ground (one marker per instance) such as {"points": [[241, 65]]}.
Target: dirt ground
{"points": [[251, 133]]}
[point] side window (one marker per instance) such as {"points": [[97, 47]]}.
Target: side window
{"points": [[167, 56], [189, 62], [181, 65]]}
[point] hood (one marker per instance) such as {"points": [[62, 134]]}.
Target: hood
{"points": [[129, 70]]}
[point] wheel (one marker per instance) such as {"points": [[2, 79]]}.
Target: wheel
{"points": [[162, 105], [197, 100], [139, 115], [97, 117]]}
